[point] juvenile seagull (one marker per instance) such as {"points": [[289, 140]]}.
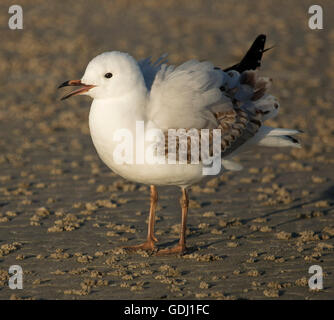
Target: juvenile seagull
{"points": [[195, 95]]}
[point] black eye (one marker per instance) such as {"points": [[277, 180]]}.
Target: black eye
{"points": [[108, 75]]}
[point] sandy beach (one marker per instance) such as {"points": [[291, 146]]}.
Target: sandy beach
{"points": [[64, 216]]}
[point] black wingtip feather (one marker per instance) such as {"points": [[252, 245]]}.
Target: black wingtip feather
{"points": [[294, 140], [252, 59]]}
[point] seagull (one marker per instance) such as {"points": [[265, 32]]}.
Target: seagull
{"points": [[195, 95]]}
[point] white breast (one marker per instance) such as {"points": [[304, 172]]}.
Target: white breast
{"points": [[105, 119]]}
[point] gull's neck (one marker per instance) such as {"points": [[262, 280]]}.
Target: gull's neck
{"points": [[121, 112]]}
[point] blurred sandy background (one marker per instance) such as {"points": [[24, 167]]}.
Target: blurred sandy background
{"points": [[63, 215]]}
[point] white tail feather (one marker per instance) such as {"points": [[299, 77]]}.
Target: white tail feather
{"points": [[231, 165], [277, 137], [269, 131], [279, 141]]}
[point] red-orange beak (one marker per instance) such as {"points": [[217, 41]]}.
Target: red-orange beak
{"points": [[85, 88]]}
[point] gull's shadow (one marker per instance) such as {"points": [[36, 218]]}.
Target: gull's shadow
{"points": [[325, 195], [328, 195]]}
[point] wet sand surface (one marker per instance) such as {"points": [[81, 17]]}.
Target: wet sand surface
{"points": [[64, 215]]}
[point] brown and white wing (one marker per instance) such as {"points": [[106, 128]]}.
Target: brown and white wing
{"points": [[237, 127], [239, 120]]}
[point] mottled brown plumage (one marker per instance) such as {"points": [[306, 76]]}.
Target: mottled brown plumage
{"points": [[236, 127]]}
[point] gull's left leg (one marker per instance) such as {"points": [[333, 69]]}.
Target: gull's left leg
{"points": [[149, 244], [181, 246]]}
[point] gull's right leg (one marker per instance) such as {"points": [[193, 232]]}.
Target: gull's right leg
{"points": [[149, 243], [180, 248]]}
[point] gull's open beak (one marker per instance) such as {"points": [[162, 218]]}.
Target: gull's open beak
{"points": [[85, 88]]}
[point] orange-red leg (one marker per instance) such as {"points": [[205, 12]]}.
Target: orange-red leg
{"points": [[149, 243], [181, 246]]}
